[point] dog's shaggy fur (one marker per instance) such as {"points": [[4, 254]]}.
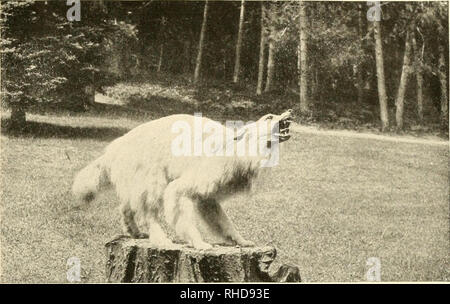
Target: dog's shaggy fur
{"points": [[154, 184]]}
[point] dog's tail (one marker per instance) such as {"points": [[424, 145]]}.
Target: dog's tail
{"points": [[91, 180]]}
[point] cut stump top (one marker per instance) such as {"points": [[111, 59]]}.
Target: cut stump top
{"points": [[136, 260]]}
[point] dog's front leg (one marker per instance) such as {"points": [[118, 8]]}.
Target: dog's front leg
{"points": [[218, 221], [230, 230], [179, 212]]}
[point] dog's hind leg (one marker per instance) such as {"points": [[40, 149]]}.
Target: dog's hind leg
{"points": [[129, 224], [179, 211], [186, 226], [220, 224], [157, 236]]}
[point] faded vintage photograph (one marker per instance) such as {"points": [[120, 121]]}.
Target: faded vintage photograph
{"points": [[224, 141]]}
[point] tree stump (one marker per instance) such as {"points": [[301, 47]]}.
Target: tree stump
{"points": [[135, 260]]}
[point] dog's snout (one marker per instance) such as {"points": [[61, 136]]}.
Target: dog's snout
{"points": [[288, 114]]}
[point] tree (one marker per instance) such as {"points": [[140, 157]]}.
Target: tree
{"points": [[400, 98], [48, 59], [302, 59], [237, 62], [68, 59], [358, 64], [161, 47], [432, 18], [270, 65], [418, 69], [271, 19], [382, 97], [201, 43], [262, 46], [442, 73]]}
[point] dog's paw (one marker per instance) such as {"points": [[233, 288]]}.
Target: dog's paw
{"points": [[202, 246], [161, 242], [245, 243]]}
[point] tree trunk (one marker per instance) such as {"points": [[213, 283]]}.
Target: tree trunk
{"points": [[99, 5], [443, 78], [89, 92], [380, 76], [237, 63], [161, 52], [161, 39], [359, 71], [270, 66], [18, 117], [419, 76], [187, 56], [443, 81], [198, 62], [302, 60], [314, 84], [224, 65], [400, 98], [137, 261], [113, 60], [262, 46]]}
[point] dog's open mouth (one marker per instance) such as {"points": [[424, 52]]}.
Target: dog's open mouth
{"points": [[283, 126]]}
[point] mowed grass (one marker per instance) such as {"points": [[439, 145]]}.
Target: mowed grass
{"points": [[330, 204]]}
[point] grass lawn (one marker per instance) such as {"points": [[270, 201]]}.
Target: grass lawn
{"points": [[332, 203]]}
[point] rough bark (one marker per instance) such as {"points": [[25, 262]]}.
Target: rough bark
{"points": [[113, 60], [187, 56], [359, 71], [100, 4], [89, 91], [270, 67], [400, 98], [262, 46], [302, 59], [419, 76], [161, 52], [382, 96], [18, 117], [237, 62], [201, 43], [314, 84], [132, 260], [161, 47], [443, 79]]}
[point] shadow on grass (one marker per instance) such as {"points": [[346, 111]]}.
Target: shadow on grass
{"points": [[136, 108], [36, 129]]}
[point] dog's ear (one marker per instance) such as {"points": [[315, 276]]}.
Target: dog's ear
{"points": [[240, 133]]}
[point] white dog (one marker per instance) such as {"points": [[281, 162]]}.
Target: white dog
{"points": [[157, 178]]}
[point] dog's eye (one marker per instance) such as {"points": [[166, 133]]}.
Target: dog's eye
{"points": [[269, 117]]}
